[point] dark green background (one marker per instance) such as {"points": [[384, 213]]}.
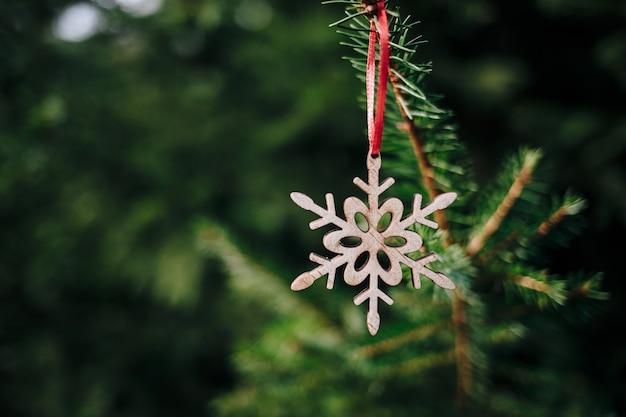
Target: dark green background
{"points": [[112, 149]]}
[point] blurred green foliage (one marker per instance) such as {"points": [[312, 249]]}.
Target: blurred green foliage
{"points": [[111, 148]]}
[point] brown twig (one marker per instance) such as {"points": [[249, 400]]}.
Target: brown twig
{"points": [[401, 340], [492, 225], [464, 370], [417, 365], [462, 351], [425, 167], [532, 284], [543, 229], [557, 217]]}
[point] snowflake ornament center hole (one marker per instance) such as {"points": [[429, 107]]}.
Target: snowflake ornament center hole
{"points": [[351, 241], [361, 261], [383, 260]]}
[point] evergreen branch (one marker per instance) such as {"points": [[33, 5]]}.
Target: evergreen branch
{"points": [[462, 350], [252, 280], [505, 244], [534, 284], [560, 291], [412, 66], [358, 44], [507, 332], [569, 208], [558, 216], [349, 17], [522, 179], [401, 47], [400, 340], [417, 365], [503, 252], [418, 148], [413, 89], [588, 289]]}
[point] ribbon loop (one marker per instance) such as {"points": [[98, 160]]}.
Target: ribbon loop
{"points": [[376, 96]]}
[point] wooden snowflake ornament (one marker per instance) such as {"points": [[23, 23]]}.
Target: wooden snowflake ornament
{"points": [[372, 248]]}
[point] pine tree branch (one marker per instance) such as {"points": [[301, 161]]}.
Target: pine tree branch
{"points": [[348, 17], [588, 290], [250, 279], [401, 340], [568, 208], [491, 226], [425, 167], [532, 284], [417, 365], [462, 351], [503, 245], [558, 216], [561, 291]]}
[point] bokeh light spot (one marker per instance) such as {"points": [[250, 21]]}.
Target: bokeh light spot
{"points": [[253, 14], [78, 22], [140, 8]]}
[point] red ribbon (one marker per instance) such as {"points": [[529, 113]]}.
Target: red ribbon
{"points": [[375, 121]]}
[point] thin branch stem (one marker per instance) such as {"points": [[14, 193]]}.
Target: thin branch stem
{"points": [[417, 365], [492, 225], [345, 19], [425, 167], [557, 217], [462, 350], [396, 342], [532, 284], [543, 229]]}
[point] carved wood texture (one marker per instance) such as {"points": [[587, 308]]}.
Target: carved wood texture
{"points": [[372, 241]]}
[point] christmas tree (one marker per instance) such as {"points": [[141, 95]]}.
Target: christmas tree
{"points": [[485, 348]]}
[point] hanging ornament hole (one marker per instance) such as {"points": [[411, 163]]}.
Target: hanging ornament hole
{"points": [[384, 222], [361, 222], [361, 261], [351, 241], [383, 260], [395, 241]]}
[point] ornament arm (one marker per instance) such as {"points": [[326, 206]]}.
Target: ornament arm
{"points": [[327, 215], [419, 214], [326, 266], [418, 267]]}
